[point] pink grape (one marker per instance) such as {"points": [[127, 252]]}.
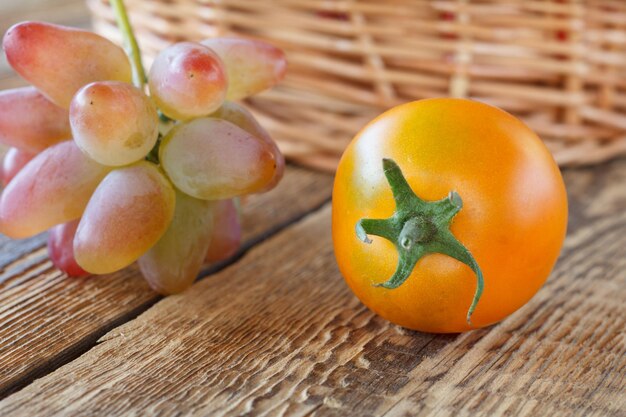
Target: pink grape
{"points": [[227, 232], [128, 213], [213, 159], [173, 264], [61, 248], [53, 188], [113, 122], [252, 66], [59, 60], [241, 117], [187, 80], [14, 160], [29, 121]]}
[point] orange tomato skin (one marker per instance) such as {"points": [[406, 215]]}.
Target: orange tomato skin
{"points": [[513, 220]]}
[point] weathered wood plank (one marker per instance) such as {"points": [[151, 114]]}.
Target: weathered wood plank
{"points": [[47, 319], [278, 333]]}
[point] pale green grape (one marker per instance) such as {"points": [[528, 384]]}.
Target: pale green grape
{"points": [[213, 159], [173, 264]]}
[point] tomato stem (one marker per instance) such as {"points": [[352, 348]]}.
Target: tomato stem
{"points": [[418, 228]]}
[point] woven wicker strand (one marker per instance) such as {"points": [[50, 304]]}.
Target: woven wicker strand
{"points": [[559, 65]]}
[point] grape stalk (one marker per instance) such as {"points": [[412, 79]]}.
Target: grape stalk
{"points": [[120, 167]]}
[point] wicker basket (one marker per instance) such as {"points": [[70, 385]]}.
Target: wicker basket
{"points": [[560, 65]]}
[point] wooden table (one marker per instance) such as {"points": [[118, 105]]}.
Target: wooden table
{"points": [[275, 331]]}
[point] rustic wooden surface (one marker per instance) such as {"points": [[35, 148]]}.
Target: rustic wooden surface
{"points": [[47, 319], [278, 333]]}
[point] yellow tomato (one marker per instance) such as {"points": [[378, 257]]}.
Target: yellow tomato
{"points": [[489, 200]]}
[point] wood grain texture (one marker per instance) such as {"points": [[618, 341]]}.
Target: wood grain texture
{"points": [[47, 318], [278, 333]]}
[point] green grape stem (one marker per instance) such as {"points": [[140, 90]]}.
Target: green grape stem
{"points": [[132, 47]]}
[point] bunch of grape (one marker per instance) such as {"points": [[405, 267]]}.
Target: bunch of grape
{"points": [[118, 176]]}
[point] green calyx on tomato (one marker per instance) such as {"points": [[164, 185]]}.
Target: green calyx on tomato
{"points": [[418, 228]]}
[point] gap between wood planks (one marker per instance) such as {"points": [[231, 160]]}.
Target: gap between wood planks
{"points": [[263, 209]]}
